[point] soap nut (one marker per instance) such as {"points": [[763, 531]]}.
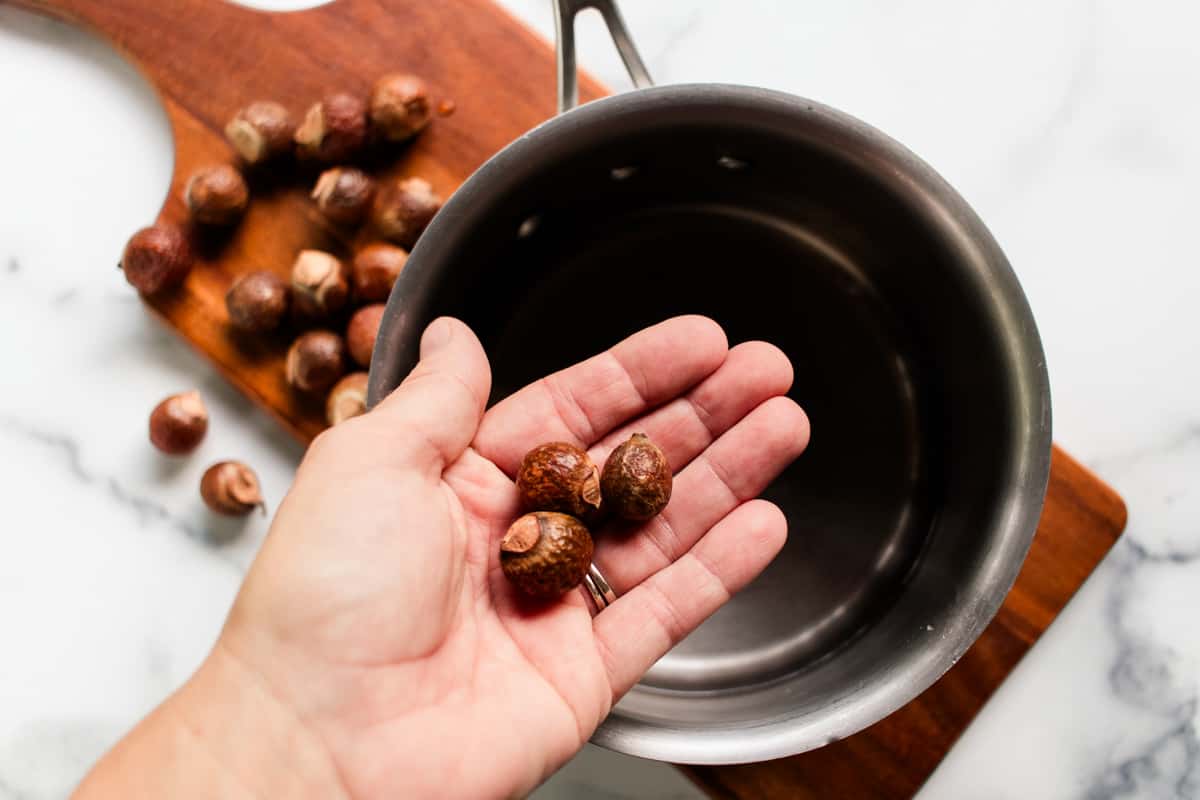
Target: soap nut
{"points": [[231, 488], [178, 423], [315, 361], [156, 259], [403, 209], [333, 129], [558, 476], [374, 271], [636, 481], [362, 332], [320, 284], [399, 106], [216, 195], [545, 554], [258, 302], [261, 131], [347, 398], [343, 194]]}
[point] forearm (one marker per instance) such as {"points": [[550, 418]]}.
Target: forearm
{"points": [[222, 735]]}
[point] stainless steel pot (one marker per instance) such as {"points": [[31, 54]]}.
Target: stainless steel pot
{"points": [[916, 358]]}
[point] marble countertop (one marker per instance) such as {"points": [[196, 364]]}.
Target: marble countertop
{"points": [[1072, 126]]}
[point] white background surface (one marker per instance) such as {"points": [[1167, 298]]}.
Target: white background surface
{"points": [[1072, 126]]}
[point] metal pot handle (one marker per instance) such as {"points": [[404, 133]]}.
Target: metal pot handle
{"points": [[564, 27]]}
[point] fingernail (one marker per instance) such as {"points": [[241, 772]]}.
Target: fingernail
{"points": [[436, 336]]}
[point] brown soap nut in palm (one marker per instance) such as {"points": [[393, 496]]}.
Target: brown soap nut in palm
{"points": [[156, 258], [216, 195], [261, 131], [399, 107], [320, 284], [362, 332], [231, 488], [343, 195], [315, 361], [636, 482], [333, 129], [258, 302], [403, 209], [178, 423], [558, 476], [545, 554], [347, 398], [374, 271]]}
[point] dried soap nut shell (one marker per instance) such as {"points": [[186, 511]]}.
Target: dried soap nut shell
{"points": [[231, 488], [258, 302], [347, 399], [333, 129], [315, 361], [320, 284], [156, 259], [362, 332], [403, 209], [374, 271], [178, 423], [636, 482], [399, 107], [545, 554], [216, 195], [558, 476], [261, 131], [343, 194]]}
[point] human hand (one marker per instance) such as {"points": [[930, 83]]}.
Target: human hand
{"points": [[376, 638]]}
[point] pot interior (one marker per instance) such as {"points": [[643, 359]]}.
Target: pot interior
{"points": [[897, 312], [858, 502]]}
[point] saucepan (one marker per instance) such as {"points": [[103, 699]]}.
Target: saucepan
{"points": [[915, 352]]}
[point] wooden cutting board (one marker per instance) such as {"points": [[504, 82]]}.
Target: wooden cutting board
{"points": [[208, 58]]}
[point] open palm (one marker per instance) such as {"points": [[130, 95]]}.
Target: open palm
{"points": [[377, 610]]}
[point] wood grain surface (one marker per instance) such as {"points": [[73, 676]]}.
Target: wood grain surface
{"points": [[1082, 520], [208, 58]]}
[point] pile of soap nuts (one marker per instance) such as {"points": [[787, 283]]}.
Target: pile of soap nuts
{"points": [[331, 307], [547, 552]]}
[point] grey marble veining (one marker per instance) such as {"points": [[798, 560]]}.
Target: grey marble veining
{"points": [[1071, 125]]}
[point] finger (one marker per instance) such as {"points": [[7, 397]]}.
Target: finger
{"points": [[582, 403], [734, 469], [641, 626], [431, 417], [753, 373]]}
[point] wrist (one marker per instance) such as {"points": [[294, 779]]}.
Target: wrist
{"points": [[231, 713], [223, 734]]}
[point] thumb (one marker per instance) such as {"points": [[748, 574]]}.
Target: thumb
{"points": [[432, 416]]}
